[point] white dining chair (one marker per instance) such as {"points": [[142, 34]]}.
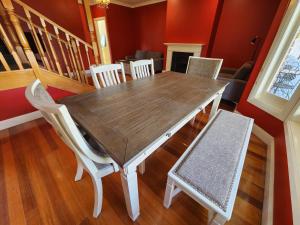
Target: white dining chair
{"points": [[94, 161], [142, 68], [206, 67], [107, 74]]}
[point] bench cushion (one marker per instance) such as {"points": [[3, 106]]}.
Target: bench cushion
{"points": [[211, 165]]}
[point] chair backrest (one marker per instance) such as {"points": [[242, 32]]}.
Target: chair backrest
{"points": [[207, 67], [142, 68], [58, 116], [108, 75]]}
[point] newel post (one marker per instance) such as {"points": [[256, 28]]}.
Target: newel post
{"points": [[13, 36], [87, 8], [8, 6]]}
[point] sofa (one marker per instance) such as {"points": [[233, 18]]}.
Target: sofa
{"points": [[237, 79], [141, 54]]}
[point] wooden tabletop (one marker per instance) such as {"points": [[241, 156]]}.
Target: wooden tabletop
{"points": [[128, 117]]}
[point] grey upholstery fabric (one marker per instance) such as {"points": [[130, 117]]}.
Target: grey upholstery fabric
{"points": [[244, 71], [237, 81], [139, 54], [211, 165], [153, 55], [204, 67]]}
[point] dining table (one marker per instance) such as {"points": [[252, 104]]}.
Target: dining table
{"points": [[133, 119]]}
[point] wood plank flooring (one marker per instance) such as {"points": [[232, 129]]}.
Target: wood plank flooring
{"points": [[37, 183]]}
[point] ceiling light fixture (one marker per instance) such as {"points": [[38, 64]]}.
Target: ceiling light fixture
{"points": [[103, 3]]}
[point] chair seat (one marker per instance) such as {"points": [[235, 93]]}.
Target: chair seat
{"points": [[96, 147], [104, 169]]}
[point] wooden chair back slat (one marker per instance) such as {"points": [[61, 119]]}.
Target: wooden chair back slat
{"points": [[108, 75], [140, 69]]}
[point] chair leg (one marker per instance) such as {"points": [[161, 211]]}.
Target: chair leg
{"points": [[169, 193], [192, 121], [142, 167], [79, 171], [98, 195]]}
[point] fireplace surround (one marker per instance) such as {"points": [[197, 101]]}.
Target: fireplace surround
{"points": [[192, 48]]}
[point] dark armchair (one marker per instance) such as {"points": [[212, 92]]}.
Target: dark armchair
{"points": [[237, 81], [139, 55]]}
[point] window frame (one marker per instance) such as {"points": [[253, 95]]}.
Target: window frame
{"points": [[259, 95]]}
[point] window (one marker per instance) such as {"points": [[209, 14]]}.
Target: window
{"points": [[287, 79], [277, 88]]}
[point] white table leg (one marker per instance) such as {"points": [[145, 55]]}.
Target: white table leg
{"points": [[215, 105], [142, 167], [131, 193]]}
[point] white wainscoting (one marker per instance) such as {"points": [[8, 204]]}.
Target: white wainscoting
{"points": [[268, 204], [4, 124], [267, 213]]}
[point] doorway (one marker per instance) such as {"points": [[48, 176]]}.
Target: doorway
{"points": [[103, 40]]}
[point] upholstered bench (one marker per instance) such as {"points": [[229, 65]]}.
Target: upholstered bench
{"points": [[210, 169]]}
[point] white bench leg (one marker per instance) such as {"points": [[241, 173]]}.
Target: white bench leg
{"points": [[210, 216], [131, 193], [142, 167], [218, 220], [169, 193], [79, 171]]}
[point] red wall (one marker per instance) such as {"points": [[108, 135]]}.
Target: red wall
{"points": [[240, 21], [121, 31], [65, 13], [190, 21], [120, 25], [16, 104], [282, 199], [130, 29], [150, 23]]}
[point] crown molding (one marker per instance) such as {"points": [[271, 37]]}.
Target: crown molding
{"points": [[150, 2], [117, 2]]}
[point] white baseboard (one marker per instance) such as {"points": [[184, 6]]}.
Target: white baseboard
{"points": [[4, 124], [292, 134], [267, 213]]}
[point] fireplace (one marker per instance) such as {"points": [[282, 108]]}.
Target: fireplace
{"points": [[180, 61], [189, 48]]}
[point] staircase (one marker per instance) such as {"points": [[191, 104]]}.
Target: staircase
{"points": [[34, 47]]}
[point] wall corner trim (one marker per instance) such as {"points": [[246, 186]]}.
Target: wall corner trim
{"points": [[4, 124]]}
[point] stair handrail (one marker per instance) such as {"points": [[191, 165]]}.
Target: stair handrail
{"points": [[72, 48], [14, 20], [35, 12]]}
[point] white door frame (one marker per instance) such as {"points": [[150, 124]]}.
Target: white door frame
{"points": [[98, 37]]}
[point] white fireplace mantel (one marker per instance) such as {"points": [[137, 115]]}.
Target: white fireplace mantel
{"points": [[181, 47]]}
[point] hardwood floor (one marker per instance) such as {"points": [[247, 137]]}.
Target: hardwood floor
{"points": [[37, 182]]}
